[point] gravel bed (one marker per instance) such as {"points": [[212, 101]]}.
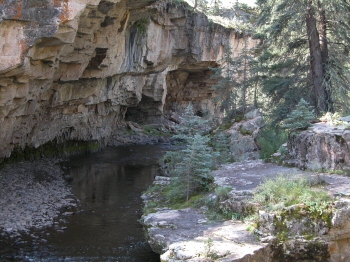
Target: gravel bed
{"points": [[32, 195]]}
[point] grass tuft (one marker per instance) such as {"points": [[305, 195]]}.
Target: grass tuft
{"points": [[282, 191]]}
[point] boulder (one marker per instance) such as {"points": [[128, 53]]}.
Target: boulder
{"points": [[321, 147], [243, 136]]}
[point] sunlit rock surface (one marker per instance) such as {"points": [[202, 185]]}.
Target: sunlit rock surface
{"points": [[188, 235], [243, 136], [75, 69], [321, 147]]}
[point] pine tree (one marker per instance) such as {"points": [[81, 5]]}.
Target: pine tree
{"points": [[300, 117], [191, 171], [221, 144], [190, 168], [305, 52], [191, 124], [238, 75]]}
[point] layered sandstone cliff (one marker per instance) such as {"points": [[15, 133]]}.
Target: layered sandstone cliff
{"points": [[76, 69]]}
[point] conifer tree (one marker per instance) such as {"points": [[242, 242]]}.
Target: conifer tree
{"points": [[300, 118], [305, 51], [221, 144], [191, 172], [190, 168], [191, 124]]}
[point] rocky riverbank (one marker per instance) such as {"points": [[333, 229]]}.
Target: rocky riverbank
{"points": [[188, 234], [33, 195]]}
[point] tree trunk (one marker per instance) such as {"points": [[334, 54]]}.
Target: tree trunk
{"points": [[189, 177], [324, 55], [245, 72], [256, 92], [317, 74]]}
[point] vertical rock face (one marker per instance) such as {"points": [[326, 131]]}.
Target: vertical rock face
{"points": [[74, 69], [321, 147], [243, 136]]}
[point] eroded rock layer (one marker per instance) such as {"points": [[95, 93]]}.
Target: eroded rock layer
{"points": [[74, 69], [321, 147]]}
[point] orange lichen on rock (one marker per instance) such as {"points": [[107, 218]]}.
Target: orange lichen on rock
{"points": [[65, 10], [19, 12], [57, 3], [333, 248], [23, 46]]}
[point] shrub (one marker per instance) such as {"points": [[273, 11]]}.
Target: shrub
{"points": [[270, 139], [333, 119], [141, 25], [221, 144]]}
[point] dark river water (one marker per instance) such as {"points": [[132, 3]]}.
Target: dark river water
{"points": [[108, 185]]}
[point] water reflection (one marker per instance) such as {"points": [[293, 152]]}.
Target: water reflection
{"points": [[108, 184]]}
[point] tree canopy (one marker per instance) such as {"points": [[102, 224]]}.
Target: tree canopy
{"points": [[302, 53], [305, 52]]}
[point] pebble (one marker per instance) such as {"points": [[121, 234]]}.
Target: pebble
{"points": [[28, 202]]}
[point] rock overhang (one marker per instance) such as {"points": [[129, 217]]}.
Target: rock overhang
{"points": [[81, 65]]}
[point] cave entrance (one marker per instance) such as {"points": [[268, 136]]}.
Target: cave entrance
{"points": [[192, 84]]}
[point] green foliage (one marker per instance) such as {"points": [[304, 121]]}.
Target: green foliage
{"points": [[270, 139], [191, 124], [281, 192], [233, 80], [245, 132], [295, 201], [226, 124], [141, 25], [221, 144], [150, 207], [209, 254], [300, 117], [213, 202], [208, 7], [177, 3], [208, 247], [190, 168], [285, 57], [155, 131], [223, 193]]}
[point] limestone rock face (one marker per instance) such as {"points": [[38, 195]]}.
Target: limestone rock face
{"points": [[321, 147], [75, 69]]}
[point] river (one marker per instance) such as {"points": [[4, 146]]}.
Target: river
{"points": [[105, 227]]}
